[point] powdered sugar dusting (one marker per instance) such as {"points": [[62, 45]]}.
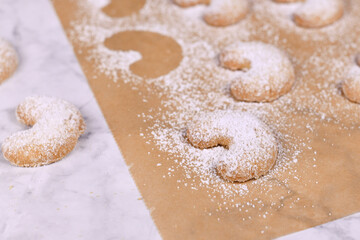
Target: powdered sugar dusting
{"points": [[270, 69], [226, 12], [320, 10], [8, 59], [200, 84], [282, 15], [250, 146], [55, 123], [354, 72]]}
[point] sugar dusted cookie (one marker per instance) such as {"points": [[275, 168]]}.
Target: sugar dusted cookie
{"points": [[220, 13], [8, 60], [351, 84], [226, 12], [319, 13], [250, 148], [266, 72], [56, 127]]}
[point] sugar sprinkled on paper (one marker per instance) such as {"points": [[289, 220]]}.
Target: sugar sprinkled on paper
{"points": [[199, 84]]}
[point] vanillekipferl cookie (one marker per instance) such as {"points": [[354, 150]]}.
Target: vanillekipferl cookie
{"points": [[220, 13], [223, 13], [8, 60], [319, 13], [250, 148], [266, 72], [56, 127], [351, 83]]}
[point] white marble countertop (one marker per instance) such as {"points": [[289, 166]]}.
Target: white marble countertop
{"points": [[89, 194]]}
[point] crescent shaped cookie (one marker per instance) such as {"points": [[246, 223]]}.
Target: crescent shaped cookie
{"points": [[8, 60], [319, 13], [56, 127], [250, 148], [220, 13], [267, 72], [226, 12]]}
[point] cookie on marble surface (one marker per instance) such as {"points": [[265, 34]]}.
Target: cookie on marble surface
{"points": [[250, 146], [319, 13], [266, 72], [8, 60], [56, 127]]}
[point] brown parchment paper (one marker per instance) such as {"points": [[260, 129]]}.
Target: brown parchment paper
{"points": [[327, 193]]}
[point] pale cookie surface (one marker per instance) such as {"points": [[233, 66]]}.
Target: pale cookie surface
{"points": [[351, 84], [190, 3], [226, 12], [250, 148], [220, 13], [319, 13], [267, 72], [56, 127], [8, 60]]}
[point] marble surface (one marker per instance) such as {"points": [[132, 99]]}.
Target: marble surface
{"points": [[90, 194]]}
